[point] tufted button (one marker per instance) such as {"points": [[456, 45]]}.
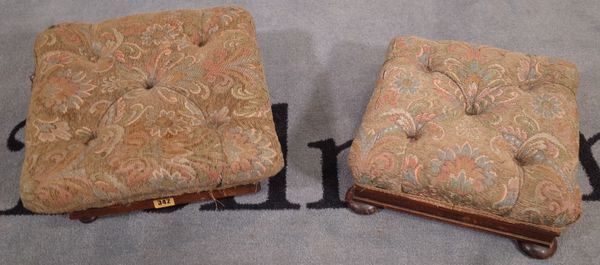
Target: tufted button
{"points": [[428, 67], [199, 41], [91, 137], [93, 58], [520, 161], [531, 86], [471, 110], [149, 84], [413, 136]]}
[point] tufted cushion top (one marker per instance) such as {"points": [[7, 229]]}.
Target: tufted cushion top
{"points": [[146, 106], [476, 127]]}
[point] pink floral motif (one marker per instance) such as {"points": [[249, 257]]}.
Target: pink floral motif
{"points": [[55, 195], [54, 60], [66, 91], [137, 170], [411, 171], [159, 34], [555, 201], [218, 118], [462, 170]]}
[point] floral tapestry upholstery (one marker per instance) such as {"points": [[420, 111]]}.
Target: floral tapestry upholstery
{"points": [[473, 127], [147, 106]]}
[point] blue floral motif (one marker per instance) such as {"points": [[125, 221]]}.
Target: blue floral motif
{"points": [[405, 83]]}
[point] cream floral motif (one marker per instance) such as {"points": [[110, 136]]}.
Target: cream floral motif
{"points": [[167, 122], [54, 60], [49, 131], [411, 124], [169, 116], [482, 83], [531, 146], [468, 130], [159, 34], [527, 71], [110, 84], [163, 178]]}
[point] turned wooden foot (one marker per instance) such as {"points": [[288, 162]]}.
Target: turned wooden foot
{"points": [[537, 251], [88, 219], [359, 207]]}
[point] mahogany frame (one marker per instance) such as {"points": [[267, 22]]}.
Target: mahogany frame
{"points": [[90, 215], [540, 238]]}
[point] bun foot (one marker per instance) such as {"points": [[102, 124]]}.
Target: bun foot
{"points": [[359, 207], [87, 220], [537, 251]]}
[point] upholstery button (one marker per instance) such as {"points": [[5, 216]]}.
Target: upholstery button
{"points": [[521, 161], [414, 136], [471, 110], [428, 67], [149, 84], [90, 138], [201, 43], [94, 58]]}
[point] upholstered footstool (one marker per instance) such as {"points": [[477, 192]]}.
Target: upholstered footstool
{"points": [[472, 135], [147, 111]]}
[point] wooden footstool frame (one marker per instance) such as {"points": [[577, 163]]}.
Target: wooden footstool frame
{"points": [[535, 241], [90, 215], [454, 132], [131, 60]]}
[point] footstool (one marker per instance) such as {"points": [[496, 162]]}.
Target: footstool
{"points": [[147, 111], [472, 135]]}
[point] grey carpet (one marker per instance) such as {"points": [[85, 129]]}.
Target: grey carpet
{"points": [[322, 59]]}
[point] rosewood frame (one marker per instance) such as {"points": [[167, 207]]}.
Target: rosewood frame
{"points": [[536, 241], [90, 215]]}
